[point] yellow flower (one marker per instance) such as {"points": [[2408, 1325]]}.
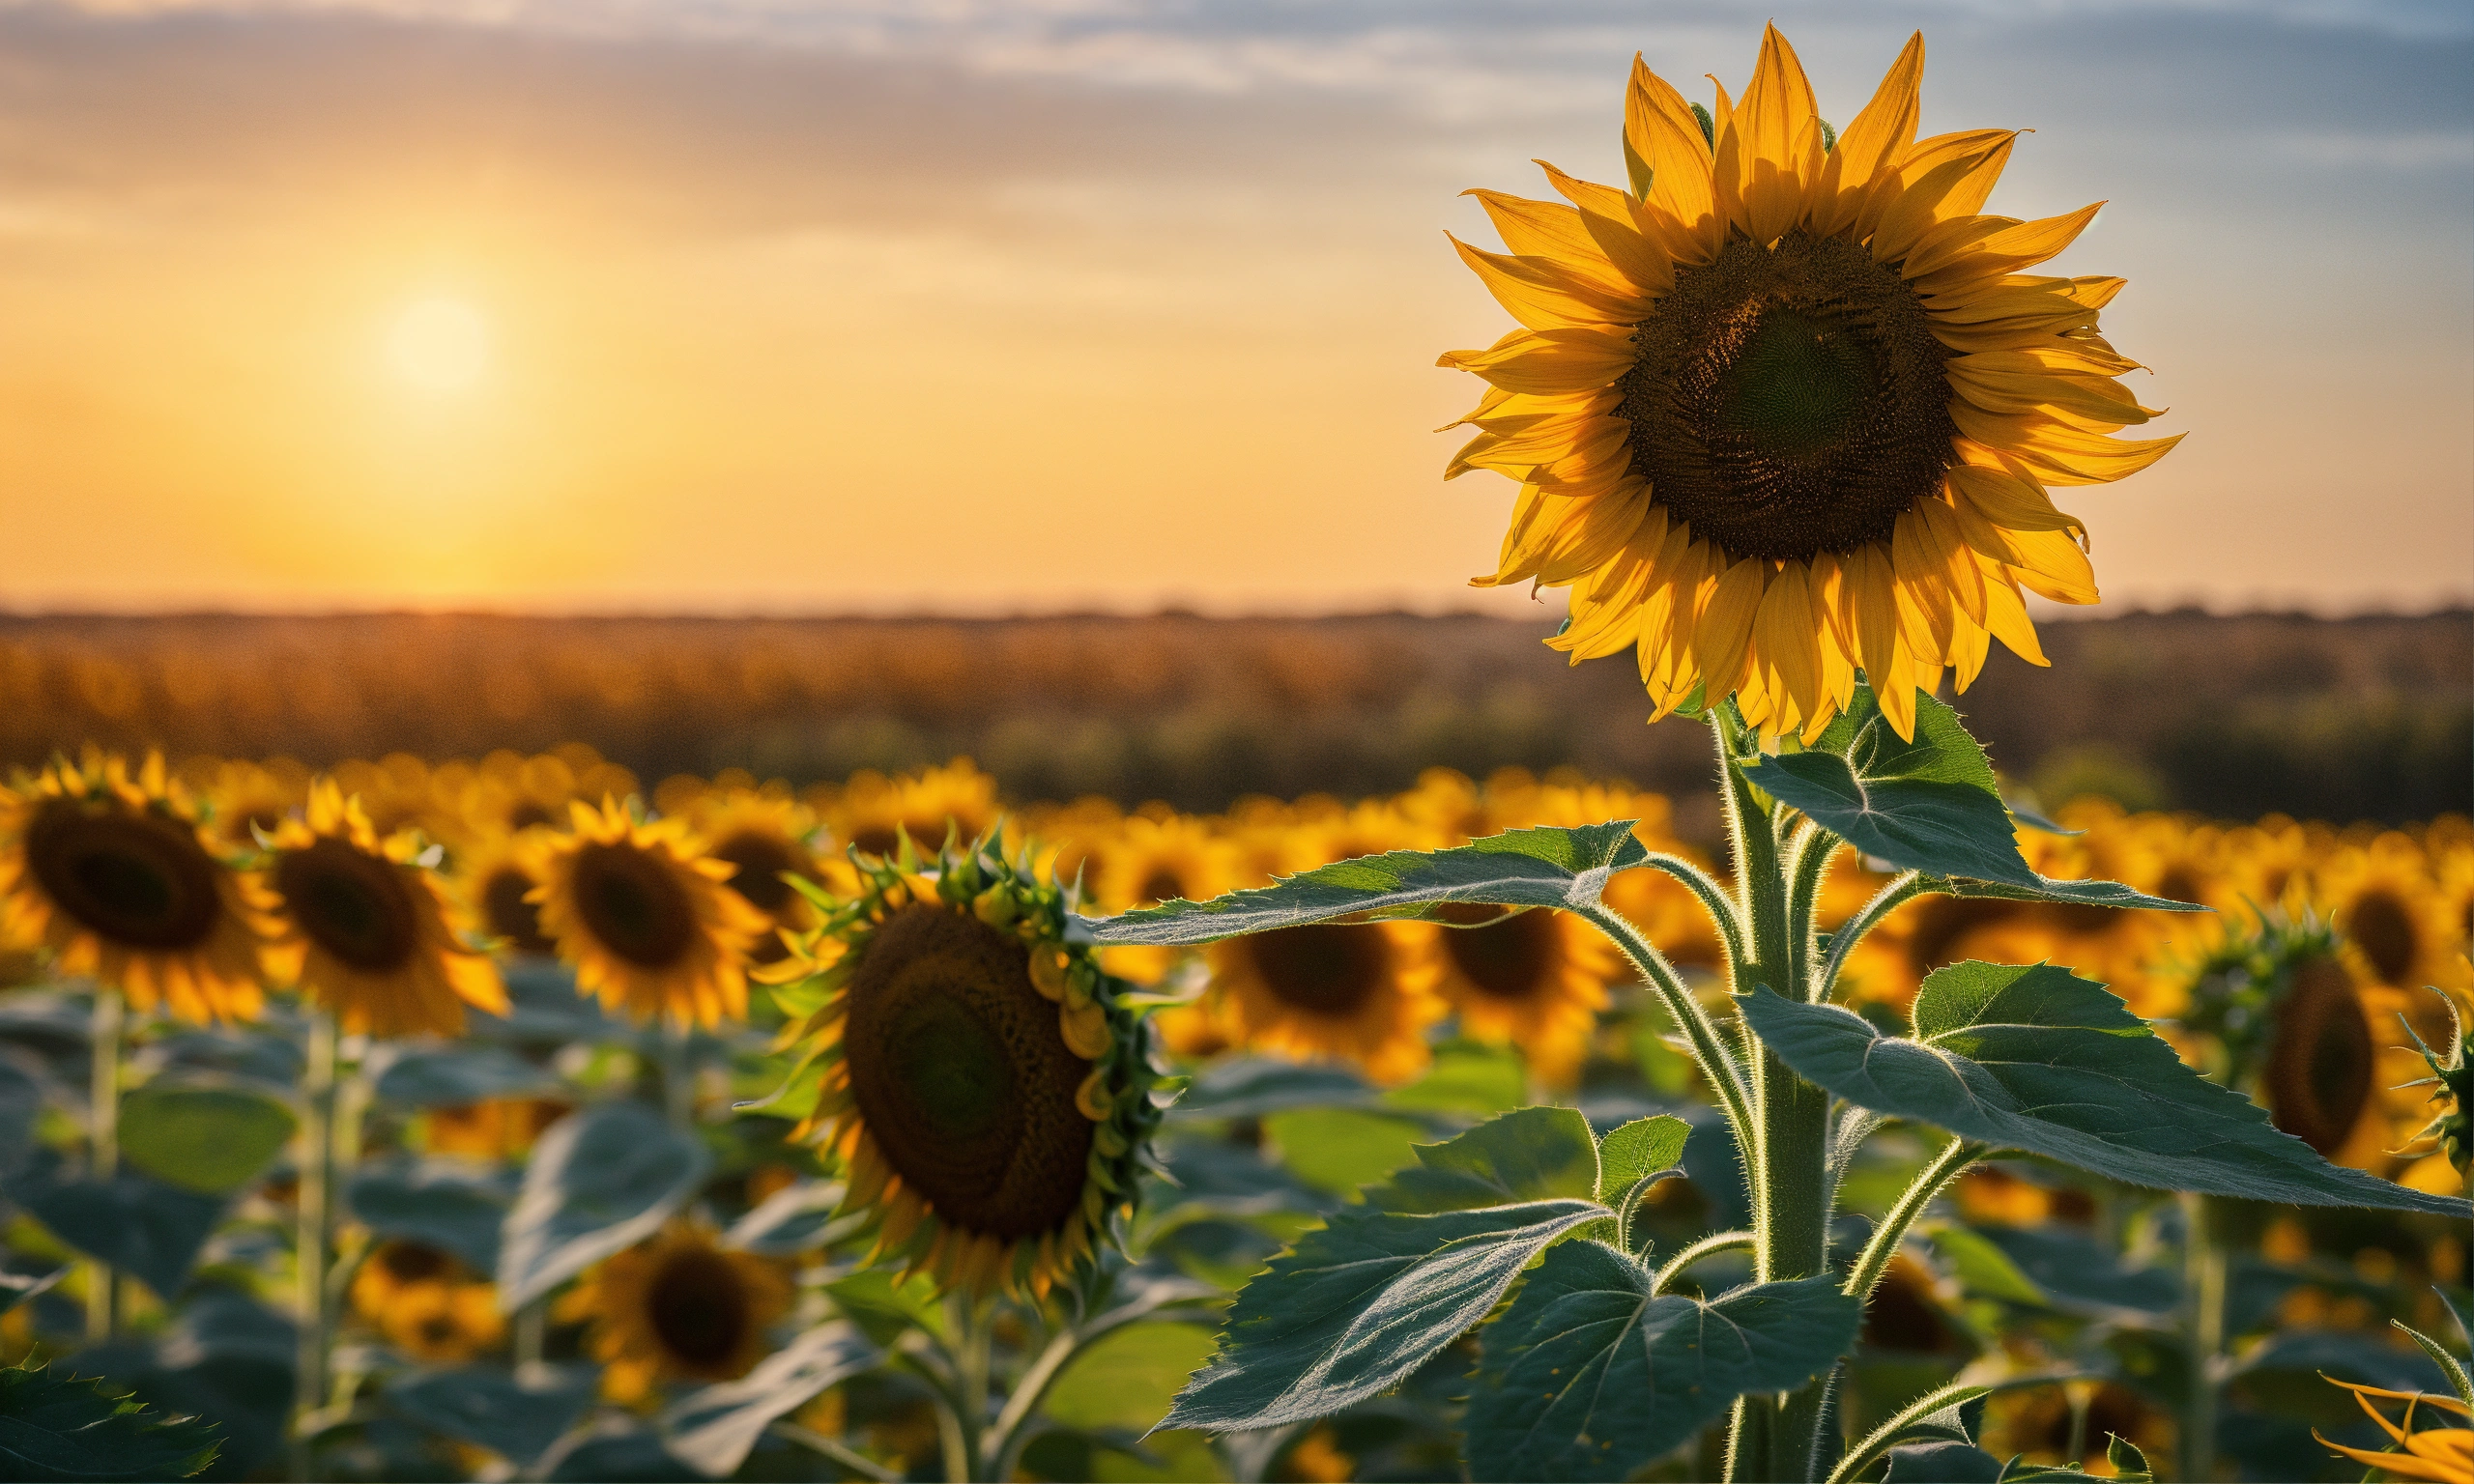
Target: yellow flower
{"points": [[117, 877], [2400, 927], [981, 1079], [676, 1308], [426, 1305], [495, 880], [1535, 978], [1146, 861], [495, 1129], [367, 927], [2444, 1455], [647, 919], [874, 812], [1790, 405], [764, 840], [245, 799]]}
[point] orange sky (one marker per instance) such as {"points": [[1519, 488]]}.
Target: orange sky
{"points": [[818, 309]]}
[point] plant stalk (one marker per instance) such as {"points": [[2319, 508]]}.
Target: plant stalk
{"points": [[1955, 1156], [315, 1234], [2204, 1323], [102, 1153]]}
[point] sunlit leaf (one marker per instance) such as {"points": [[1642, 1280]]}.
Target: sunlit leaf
{"points": [[1926, 803], [209, 1139], [488, 1406], [56, 1426], [2040, 1059], [1534, 868], [1640, 1147], [601, 1180]]}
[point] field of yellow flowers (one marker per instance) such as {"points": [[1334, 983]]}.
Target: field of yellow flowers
{"points": [[436, 1119]]}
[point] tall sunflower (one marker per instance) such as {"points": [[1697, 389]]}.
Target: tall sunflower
{"points": [[426, 1302], [1789, 405], [676, 1308], [116, 876], [368, 927], [766, 840], [496, 878], [1534, 979], [876, 813], [987, 1086], [648, 920]]}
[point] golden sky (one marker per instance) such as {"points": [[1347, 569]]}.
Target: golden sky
{"points": [[730, 305]]}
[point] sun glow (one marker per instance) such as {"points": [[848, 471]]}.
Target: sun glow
{"points": [[440, 344]]}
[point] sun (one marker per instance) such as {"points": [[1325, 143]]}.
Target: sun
{"points": [[440, 344]]}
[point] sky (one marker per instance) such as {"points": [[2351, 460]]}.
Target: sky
{"points": [[1023, 305]]}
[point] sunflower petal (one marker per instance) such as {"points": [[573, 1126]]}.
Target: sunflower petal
{"points": [[1544, 295], [1952, 188], [1764, 152], [1552, 231], [1659, 129], [1722, 630], [1617, 224], [1871, 143]]}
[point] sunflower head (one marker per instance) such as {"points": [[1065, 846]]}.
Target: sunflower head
{"points": [[648, 919], [767, 843], [988, 1088], [677, 1308], [114, 873], [876, 814], [426, 1302], [1534, 979], [496, 878], [1788, 407], [367, 927]]}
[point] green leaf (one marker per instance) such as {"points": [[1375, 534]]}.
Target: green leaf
{"points": [[488, 1406], [442, 1202], [1129, 1376], [1252, 1086], [1357, 1305], [1944, 1462], [601, 1180], [1529, 1155], [1984, 1268], [2076, 894], [206, 1138], [1643, 1147], [1466, 1079], [2077, 1273], [1338, 1150], [460, 1074], [1536, 867], [1588, 1375], [2449, 1365], [149, 1229], [58, 1427], [1915, 816], [715, 1427], [2038, 1059]]}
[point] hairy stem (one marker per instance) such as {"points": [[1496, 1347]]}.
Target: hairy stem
{"points": [[102, 1153], [1707, 1247], [1813, 848], [315, 1231], [2204, 1323], [1889, 898], [1711, 896], [1954, 1157], [1717, 1061]]}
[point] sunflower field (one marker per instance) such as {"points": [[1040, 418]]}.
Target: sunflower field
{"points": [[431, 1118]]}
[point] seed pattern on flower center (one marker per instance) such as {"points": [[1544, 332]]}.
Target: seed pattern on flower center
{"points": [[1789, 400], [352, 904], [961, 1075], [629, 901], [697, 1308], [133, 878], [760, 860]]}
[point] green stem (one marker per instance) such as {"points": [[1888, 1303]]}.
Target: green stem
{"points": [[309, 1250], [1713, 898], [677, 1075], [1718, 1062], [1813, 848], [2204, 1323], [1791, 1210], [1955, 1156], [1707, 1247], [102, 1153], [1889, 898], [842, 1455]]}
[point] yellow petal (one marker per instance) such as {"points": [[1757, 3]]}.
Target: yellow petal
{"points": [[2011, 501], [1969, 644], [2055, 567], [1659, 129], [1722, 629], [2095, 402], [1869, 610], [1764, 152], [1617, 224], [1544, 295], [1553, 231], [2006, 615], [1789, 653], [2023, 245], [1550, 362], [1872, 142], [1938, 533], [2055, 452], [1953, 189]]}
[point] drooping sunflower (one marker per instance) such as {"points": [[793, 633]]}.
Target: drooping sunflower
{"points": [[496, 878], [764, 840], [2319, 1072], [650, 923], [986, 1084], [676, 1308], [1789, 405], [367, 928], [116, 876], [426, 1302]]}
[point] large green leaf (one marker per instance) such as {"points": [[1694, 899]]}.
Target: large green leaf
{"points": [[715, 1427], [600, 1181], [138, 1224], [55, 1426], [1359, 1304], [1588, 1375], [1929, 802], [1536, 867], [442, 1202], [210, 1138], [489, 1406], [2038, 1059], [2075, 894]]}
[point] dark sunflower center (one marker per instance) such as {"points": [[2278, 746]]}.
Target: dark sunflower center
{"points": [[511, 916], [1901, 1317], [761, 862], [133, 878], [527, 814], [1509, 960], [413, 1262], [354, 905], [961, 1075], [1323, 968], [697, 1308], [1162, 885], [1788, 400], [2384, 930], [633, 905], [2319, 1057], [1940, 923]]}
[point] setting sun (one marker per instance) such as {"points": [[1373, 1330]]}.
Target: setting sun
{"points": [[440, 344]]}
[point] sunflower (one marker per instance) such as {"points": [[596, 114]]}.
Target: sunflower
{"points": [[676, 1308], [245, 800], [986, 1085], [494, 1128], [2316, 1081], [495, 879], [648, 921], [1789, 405], [116, 876], [367, 927], [2382, 897], [1151, 859], [2444, 1455], [766, 840], [876, 813], [1534, 979], [426, 1303]]}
